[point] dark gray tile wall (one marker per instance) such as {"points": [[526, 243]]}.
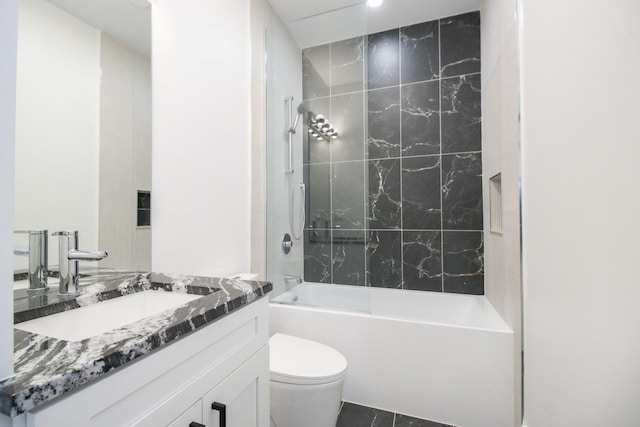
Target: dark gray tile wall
{"points": [[420, 118], [421, 207], [396, 200], [419, 47], [347, 65], [460, 45], [422, 266], [315, 79], [383, 130], [383, 59], [384, 207], [348, 257], [384, 253]]}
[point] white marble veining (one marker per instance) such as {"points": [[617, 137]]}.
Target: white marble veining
{"points": [[46, 367]]}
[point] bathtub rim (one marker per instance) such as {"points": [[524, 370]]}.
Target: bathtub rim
{"points": [[496, 322]]}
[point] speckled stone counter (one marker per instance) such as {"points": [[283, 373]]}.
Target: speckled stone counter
{"points": [[45, 367]]}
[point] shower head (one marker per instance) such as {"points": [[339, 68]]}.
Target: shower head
{"points": [[301, 110]]}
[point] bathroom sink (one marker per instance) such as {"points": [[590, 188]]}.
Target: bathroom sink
{"points": [[95, 319]]}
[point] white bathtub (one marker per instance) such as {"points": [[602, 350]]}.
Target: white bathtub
{"points": [[442, 357]]}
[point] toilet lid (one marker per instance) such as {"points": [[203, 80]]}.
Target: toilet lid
{"points": [[296, 360]]}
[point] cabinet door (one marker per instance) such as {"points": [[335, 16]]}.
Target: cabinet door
{"points": [[191, 415], [241, 399]]}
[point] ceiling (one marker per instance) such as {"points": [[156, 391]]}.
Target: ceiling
{"points": [[310, 22], [292, 10], [314, 22], [128, 21]]}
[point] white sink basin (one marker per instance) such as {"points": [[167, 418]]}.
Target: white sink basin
{"points": [[101, 317]]}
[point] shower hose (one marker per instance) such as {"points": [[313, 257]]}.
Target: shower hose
{"points": [[296, 236]]}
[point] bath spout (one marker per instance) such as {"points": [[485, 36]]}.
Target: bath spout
{"points": [[288, 278]]}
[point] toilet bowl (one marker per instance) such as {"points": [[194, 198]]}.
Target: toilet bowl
{"points": [[306, 380]]}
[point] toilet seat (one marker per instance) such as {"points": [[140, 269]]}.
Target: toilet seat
{"points": [[296, 360]]}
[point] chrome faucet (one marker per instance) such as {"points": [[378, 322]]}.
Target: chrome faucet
{"points": [[38, 259], [69, 256]]}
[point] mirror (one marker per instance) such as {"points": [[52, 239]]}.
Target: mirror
{"points": [[83, 127]]}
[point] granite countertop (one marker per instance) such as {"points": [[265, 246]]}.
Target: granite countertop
{"points": [[45, 367]]}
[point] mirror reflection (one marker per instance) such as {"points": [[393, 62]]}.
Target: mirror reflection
{"points": [[83, 129]]}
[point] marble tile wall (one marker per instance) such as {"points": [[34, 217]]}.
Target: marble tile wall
{"points": [[396, 200]]}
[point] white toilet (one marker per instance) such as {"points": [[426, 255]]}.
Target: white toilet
{"points": [[306, 382]]}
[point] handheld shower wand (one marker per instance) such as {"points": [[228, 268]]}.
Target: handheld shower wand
{"points": [[291, 129], [301, 112]]}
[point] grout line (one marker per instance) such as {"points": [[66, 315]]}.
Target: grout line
{"points": [[317, 98], [365, 88], [331, 172], [402, 284], [365, 137], [395, 86], [441, 170], [398, 229], [457, 76], [458, 153]]}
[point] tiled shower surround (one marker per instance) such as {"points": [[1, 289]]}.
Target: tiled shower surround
{"points": [[396, 200]]}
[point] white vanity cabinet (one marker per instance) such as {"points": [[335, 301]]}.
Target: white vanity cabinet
{"points": [[226, 362], [240, 393], [190, 417], [239, 400]]}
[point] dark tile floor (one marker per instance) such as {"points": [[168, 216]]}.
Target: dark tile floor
{"points": [[352, 415]]}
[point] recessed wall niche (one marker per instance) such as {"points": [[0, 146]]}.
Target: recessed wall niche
{"points": [[396, 201], [144, 209]]}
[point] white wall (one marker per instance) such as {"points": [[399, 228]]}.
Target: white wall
{"points": [[8, 47], [57, 125], [261, 15], [125, 154], [580, 62], [201, 137], [500, 154]]}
